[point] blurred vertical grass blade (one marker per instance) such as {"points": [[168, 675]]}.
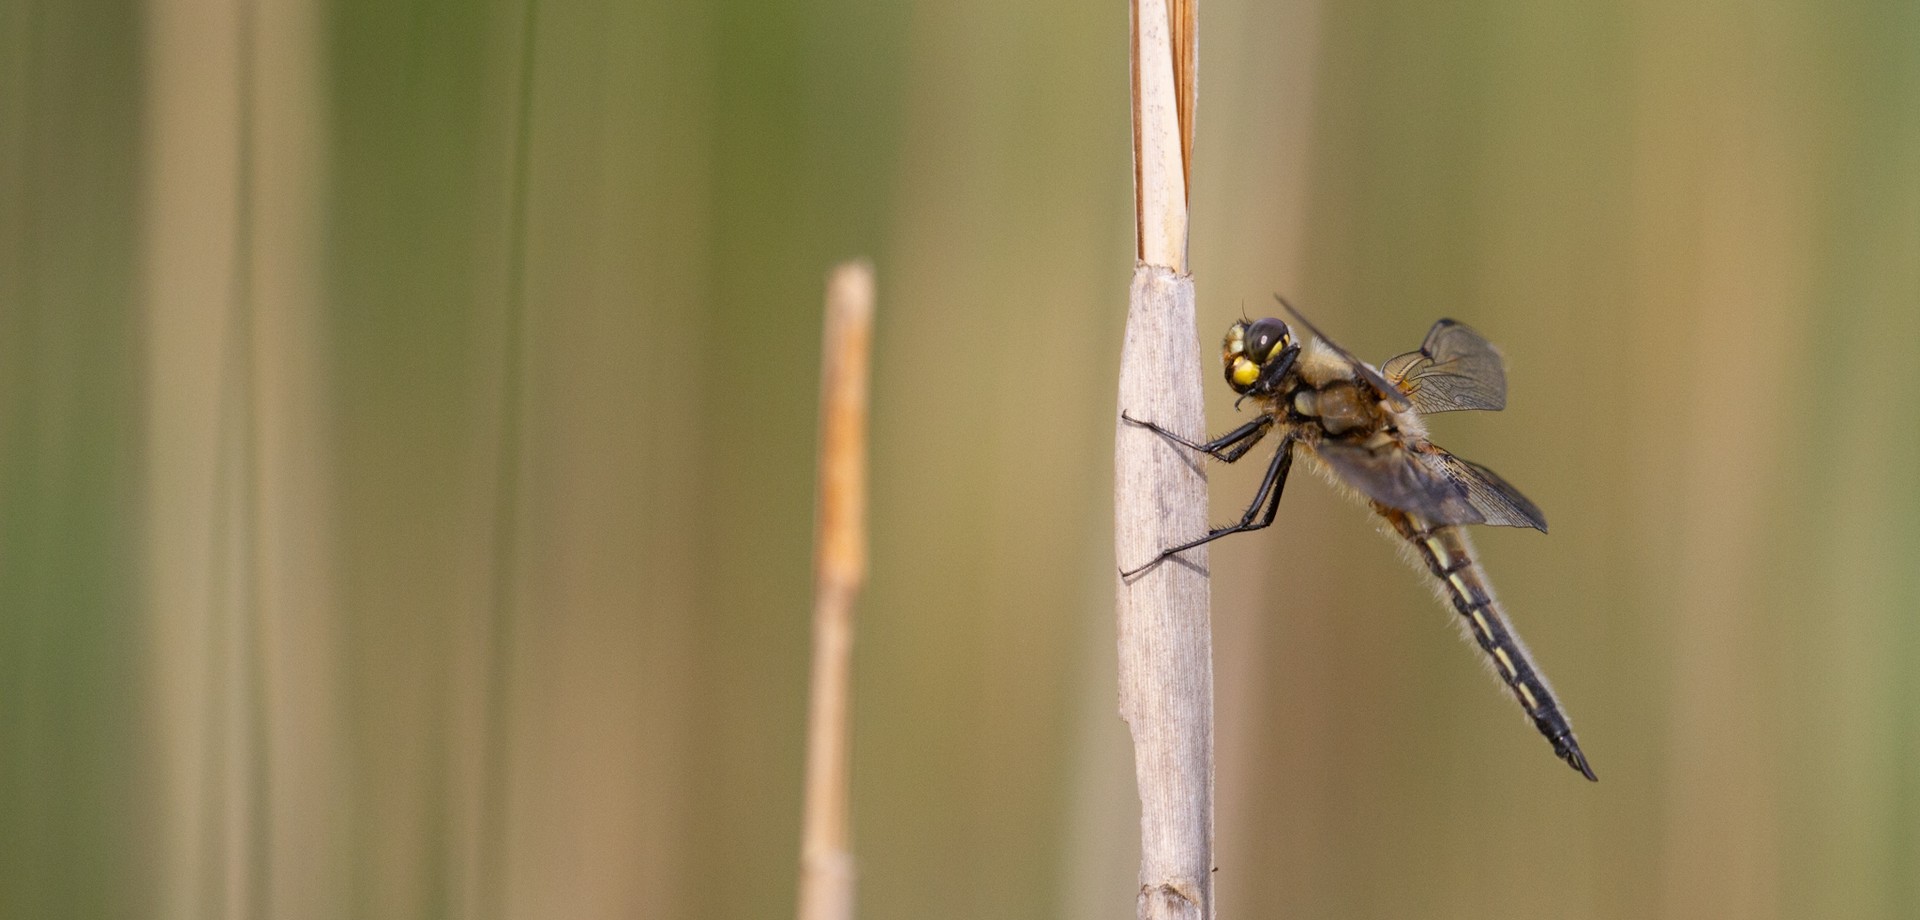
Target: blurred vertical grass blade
{"points": [[491, 833], [603, 735], [1751, 212], [74, 816], [206, 417], [302, 741], [1007, 235], [190, 155], [422, 98], [249, 861], [1851, 762]]}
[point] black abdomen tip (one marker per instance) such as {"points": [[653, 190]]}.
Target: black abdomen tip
{"points": [[1577, 760]]}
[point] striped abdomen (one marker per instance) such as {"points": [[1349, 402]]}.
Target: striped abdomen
{"points": [[1449, 557]]}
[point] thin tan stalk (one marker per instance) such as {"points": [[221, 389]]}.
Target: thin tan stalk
{"points": [[840, 568], [1160, 493]]}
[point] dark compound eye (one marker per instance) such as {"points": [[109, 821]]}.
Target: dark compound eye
{"points": [[1265, 337]]}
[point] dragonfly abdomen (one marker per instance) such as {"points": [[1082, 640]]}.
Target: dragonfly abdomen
{"points": [[1449, 558]]}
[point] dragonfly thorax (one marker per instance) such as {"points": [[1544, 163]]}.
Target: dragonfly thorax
{"points": [[1338, 408]]}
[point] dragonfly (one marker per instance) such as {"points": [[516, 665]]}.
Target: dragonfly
{"points": [[1364, 427]]}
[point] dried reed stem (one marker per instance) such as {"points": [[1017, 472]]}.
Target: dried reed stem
{"points": [[840, 567], [1160, 492]]}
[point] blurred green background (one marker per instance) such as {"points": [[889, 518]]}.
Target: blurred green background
{"points": [[406, 455]]}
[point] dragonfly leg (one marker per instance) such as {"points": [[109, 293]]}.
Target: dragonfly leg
{"points": [[1234, 453], [1271, 487], [1276, 371], [1228, 447]]}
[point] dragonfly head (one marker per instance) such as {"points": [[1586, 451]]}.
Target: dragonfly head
{"points": [[1257, 355]]}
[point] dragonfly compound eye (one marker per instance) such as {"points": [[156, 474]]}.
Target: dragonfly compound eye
{"points": [[1265, 338]]}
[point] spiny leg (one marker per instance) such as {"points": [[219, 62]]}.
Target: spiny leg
{"points": [[1271, 487], [1229, 447]]}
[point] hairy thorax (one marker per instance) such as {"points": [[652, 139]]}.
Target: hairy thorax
{"points": [[1341, 409], [1327, 400]]}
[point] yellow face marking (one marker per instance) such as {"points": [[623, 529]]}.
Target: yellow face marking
{"points": [[1245, 372], [1505, 662], [1459, 584], [1526, 696], [1439, 551], [1481, 621]]}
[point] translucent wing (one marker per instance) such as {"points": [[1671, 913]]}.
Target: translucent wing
{"points": [[1454, 369], [1399, 477], [1386, 389], [1498, 502], [1429, 482]]}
